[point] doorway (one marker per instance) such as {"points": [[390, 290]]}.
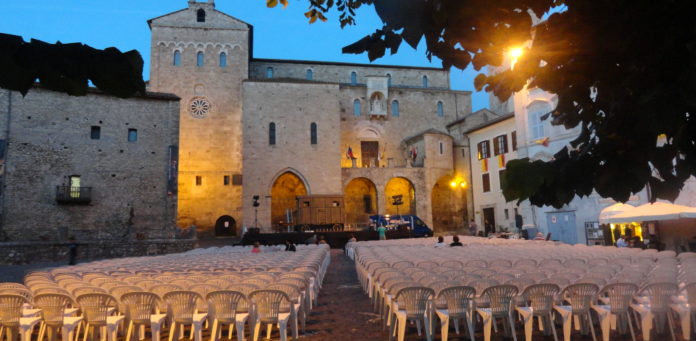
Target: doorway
{"points": [[562, 226], [225, 226], [488, 220], [369, 150]]}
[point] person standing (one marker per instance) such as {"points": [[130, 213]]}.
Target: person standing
{"points": [[72, 249], [382, 233], [472, 227]]}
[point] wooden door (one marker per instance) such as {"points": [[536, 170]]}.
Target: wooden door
{"points": [[369, 150]]}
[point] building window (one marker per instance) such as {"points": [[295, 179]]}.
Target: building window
{"points": [[269, 72], [237, 179], [536, 126], [500, 145], [223, 59], [226, 180], [310, 74], [486, 182], [200, 15], [440, 109], [513, 137], [395, 108], [507, 214], [199, 58], [389, 80], [272, 134], [425, 81], [177, 58], [353, 78], [95, 133], [313, 133], [199, 180], [442, 148], [483, 150], [74, 186], [501, 177], [132, 135], [356, 107]]}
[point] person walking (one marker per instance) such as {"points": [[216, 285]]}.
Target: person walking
{"points": [[472, 227], [382, 231]]}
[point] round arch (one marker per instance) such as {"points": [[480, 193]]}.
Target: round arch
{"points": [[360, 198], [404, 187], [225, 226], [285, 189]]}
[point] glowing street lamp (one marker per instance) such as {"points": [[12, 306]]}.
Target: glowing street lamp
{"points": [[515, 53]]}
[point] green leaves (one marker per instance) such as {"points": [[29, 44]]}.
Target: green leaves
{"points": [[68, 67]]}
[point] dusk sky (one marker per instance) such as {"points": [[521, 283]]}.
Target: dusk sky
{"points": [[278, 33]]}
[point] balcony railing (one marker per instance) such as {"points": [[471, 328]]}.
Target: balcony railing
{"points": [[73, 195]]}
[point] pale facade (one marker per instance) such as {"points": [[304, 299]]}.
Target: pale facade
{"points": [[282, 128]]}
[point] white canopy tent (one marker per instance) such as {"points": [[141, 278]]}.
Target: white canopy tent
{"points": [[652, 212], [613, 210]]}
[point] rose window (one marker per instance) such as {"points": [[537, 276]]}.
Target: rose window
{"points": [[199, 107]]}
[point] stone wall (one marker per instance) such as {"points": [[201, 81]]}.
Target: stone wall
{"points": [[50, 138], [13, 253]]}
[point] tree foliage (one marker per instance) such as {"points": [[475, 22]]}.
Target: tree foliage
{"points": [[68, 67], [624, 71]]}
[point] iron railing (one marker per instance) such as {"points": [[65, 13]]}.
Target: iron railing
{"points": [[73, 195]]}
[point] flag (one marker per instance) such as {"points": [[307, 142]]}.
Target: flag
{"points": [[501, 161], [414, 153], [545, 141], [349, 154], [484, 165]]}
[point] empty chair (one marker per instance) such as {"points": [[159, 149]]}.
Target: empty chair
{"points": [[580, 297], [183, 313], [657, 309], [619, 296], [411, 304], [12, 320], [222, 284], [223, 310], [294, 306], [139, 307], [96, 313], [458, 305], [53, 308], [267, 304], [500, 298], [687, 309], [539, 299]]}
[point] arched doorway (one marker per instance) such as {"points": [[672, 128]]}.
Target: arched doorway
{"points": [[403, 187], [225, 226], [284, 192], [446, 205], [360, 197]]}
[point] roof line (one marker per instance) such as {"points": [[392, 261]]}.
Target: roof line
{"points": [[345, 63], [490, 123]]}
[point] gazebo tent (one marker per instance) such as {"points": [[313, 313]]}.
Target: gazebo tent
{"points": [[653, 212], [613, 210]]}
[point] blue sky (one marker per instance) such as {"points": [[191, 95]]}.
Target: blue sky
{"points": [[278, 33]]}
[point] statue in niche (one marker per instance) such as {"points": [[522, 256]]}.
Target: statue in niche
{"points": [[377, 103]]}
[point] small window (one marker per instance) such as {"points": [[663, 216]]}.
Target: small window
{"points": [[513, 137], [177, 58], [395, 108], [483, 150], [226, 180], [507, 214], [440, 109], [200, 15], [389, 80], [486, 182], [237, 179], [132, 135], [500, 145], [353, 78], [310, 74], [463, 152], [313, 133], [269, 72], [442, 148], [356, 107], [501, 177], [200, 59], [95, 133], [223, 59], [199, 180], [272, 134], [425, 81]]}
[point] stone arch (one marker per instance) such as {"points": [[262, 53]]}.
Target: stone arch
{"points": [[404, 187], [285, 189], [445, 203], [225, 226], [360, 197]]}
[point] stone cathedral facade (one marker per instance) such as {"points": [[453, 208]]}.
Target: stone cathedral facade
{"points": [[279, 129]]}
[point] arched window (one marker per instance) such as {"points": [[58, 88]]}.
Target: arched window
{"points": [[388, 80], [177, 58], [356, 107], [537, 129], [269, 72], [310, 74], [223, 59], [272, 134], [425, 81], [199, 58], [395, 108], [313, 133], [200, 15], [353, 78], [440, 109]]}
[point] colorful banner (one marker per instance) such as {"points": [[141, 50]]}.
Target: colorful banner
{"points": [[484, 165], [501, 161]]}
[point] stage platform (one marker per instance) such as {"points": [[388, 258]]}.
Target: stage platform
{"points": [[337, 240]]}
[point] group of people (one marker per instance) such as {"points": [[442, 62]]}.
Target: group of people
{"points": [[625, 241], [441, 242]]}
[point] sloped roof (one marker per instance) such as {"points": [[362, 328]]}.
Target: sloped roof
{"points": [[423, 133], [490, 123]]}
